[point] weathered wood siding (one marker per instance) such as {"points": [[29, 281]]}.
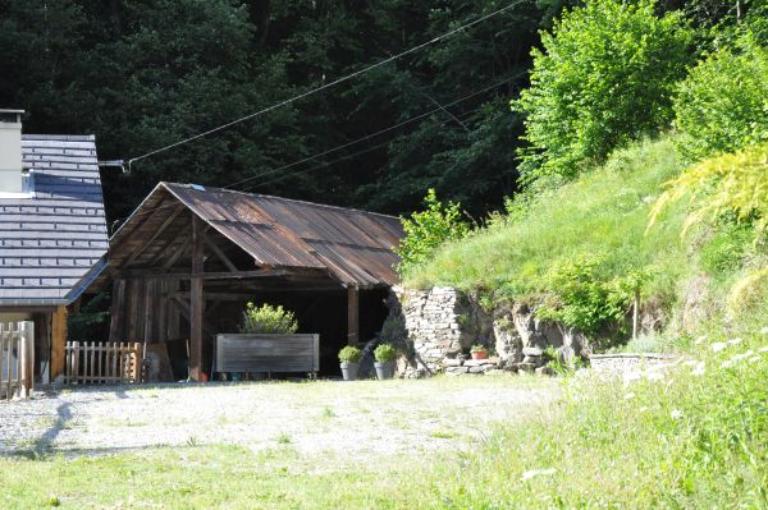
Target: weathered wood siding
{"points": [[267, 353]]}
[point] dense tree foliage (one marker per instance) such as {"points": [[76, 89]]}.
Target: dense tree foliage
{"points": [[721, 106], [141, 74], [605, 76]]}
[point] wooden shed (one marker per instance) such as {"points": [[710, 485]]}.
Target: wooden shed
{"points": [[187, 260]]}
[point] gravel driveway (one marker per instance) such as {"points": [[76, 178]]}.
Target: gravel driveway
{"points": [[359, 417]]}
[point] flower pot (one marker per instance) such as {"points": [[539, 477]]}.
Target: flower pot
{"points": [[349, 370], [385, 370], [480, 355]]}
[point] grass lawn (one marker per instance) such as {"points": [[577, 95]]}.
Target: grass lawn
{"points": [[694, 438]]}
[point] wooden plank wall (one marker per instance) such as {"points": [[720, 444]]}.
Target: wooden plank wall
{"points": [[142, 311]]}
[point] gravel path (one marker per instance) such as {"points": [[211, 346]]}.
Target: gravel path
{"points": [[360, 417]]}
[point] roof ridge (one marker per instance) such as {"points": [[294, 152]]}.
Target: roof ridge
{"points": [[296, 200], [63, 138]]}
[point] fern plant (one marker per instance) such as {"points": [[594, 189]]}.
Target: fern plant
{"points": [[727, 184]]}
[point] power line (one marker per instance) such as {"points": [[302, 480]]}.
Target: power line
{"points": [[377, 133], [333, 83], [343, 158]]}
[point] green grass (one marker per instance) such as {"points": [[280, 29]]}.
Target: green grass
{"points": [[603, 214], [697, 438]]}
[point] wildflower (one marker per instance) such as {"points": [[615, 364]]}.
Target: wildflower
{"points": [[718, 346], [537, 472], [736, 359], [698, 370], [676, 414]]}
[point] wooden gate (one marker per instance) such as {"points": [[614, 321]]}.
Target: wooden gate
{"points": [[103, 363], [17, 359]]}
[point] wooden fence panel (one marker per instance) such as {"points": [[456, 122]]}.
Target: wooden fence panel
{"points": [[17, 359], [103, 363]]}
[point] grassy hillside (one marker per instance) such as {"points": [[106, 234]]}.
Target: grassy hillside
{"points": [[603, 215]]}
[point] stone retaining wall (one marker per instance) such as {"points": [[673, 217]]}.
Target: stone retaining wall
{"points": [[442, 324]]}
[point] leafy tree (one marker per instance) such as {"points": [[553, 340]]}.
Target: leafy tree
{"points": [[606, 75], [426, 230], [722, 105]]}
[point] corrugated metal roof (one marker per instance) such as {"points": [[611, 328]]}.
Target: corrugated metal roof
{"points": [[51, 240], [353, 246]]}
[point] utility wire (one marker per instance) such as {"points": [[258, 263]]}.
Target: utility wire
{"points": [[377, 133], [333, 83], [343, 158]]}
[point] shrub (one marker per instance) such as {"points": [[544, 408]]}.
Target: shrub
{"points": [[607, 75], [583, 299], [268, 319], [723, 104], [428, 229], [384, 353], [350, 354]]}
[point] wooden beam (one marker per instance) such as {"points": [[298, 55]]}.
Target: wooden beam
{"points": [[164, 225], [353, 315], [58, 341], [211, 275], [220, 254], [197, 303]]}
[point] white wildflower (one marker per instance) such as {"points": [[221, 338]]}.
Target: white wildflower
{"points": [[735, 359], [676, 414], [718, 346], [699, 369], [533, 473]]}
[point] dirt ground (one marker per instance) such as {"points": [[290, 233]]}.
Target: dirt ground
{"points": [[359, 418]]}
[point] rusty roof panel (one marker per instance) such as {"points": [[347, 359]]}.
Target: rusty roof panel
{"points": [[355, 247]]}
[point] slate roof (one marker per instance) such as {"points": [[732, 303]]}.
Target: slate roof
{"points": [[354, 247], [53, 244]]}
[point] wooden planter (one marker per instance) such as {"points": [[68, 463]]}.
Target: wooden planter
{"points": [[258, 353]]}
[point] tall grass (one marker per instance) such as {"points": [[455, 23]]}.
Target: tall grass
{"points": [[603, 214]]}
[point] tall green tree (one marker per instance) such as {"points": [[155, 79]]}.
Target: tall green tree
{"points": [[606, 75]]}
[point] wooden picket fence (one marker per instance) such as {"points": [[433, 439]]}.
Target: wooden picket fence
{"points": [[103, 363], [17, 359]]}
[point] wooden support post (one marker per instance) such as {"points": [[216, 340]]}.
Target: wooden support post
{"points": [[117, 311], [197, 303], [58, 341], [27, 359], [353, 315]]}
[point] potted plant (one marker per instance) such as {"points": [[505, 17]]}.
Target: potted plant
{"points": [[479, 352], [384, 355], [349, 357]]}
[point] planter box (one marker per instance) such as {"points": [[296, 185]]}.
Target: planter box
{"points": [[267, 353]]}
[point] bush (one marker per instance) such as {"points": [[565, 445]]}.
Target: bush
{"points": [[350, 354], [584, 299], [268, 319], [384, 353], [426, 230], [607, 75], [722, 106]]}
